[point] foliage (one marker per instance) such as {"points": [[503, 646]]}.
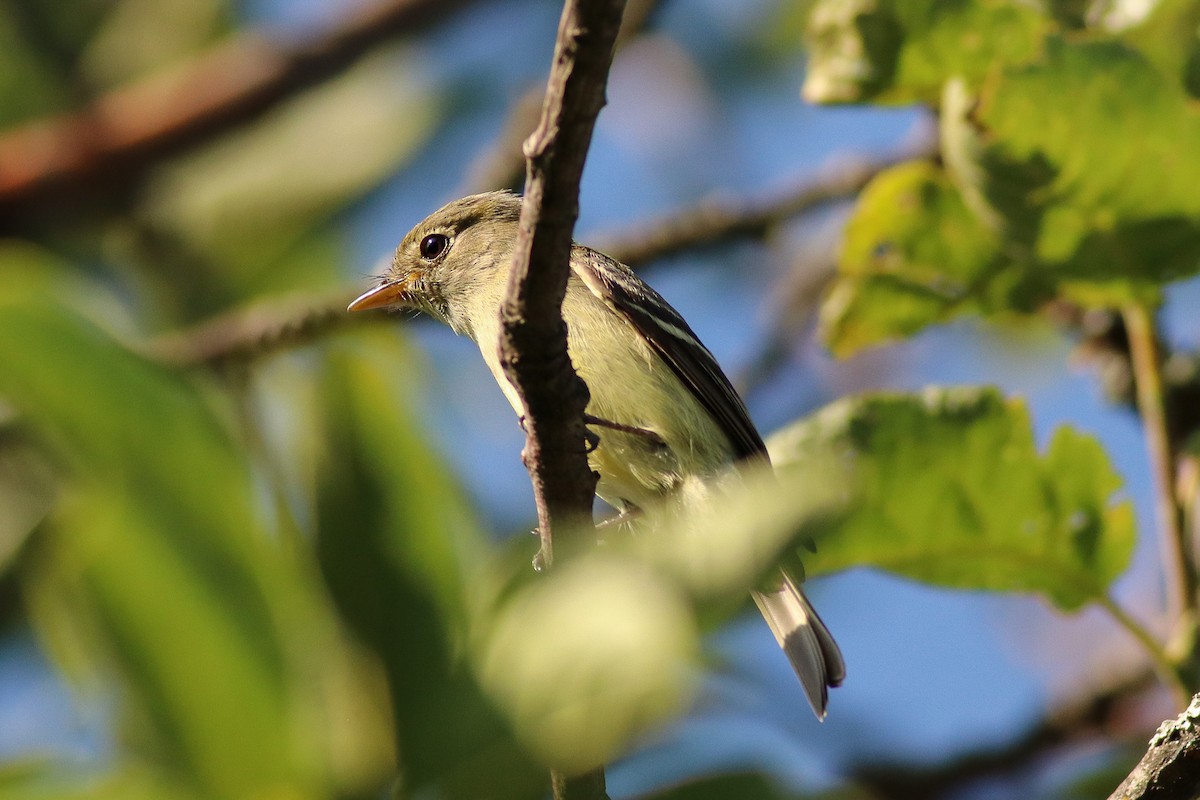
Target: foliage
{"points": [[975, 507], [267, 572], [1031, 204]]}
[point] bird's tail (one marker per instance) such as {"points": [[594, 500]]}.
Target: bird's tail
{"points": [[805, 640]]}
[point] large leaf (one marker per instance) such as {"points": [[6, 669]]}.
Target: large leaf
{"points": [[1099, 194], [155, 567], [913, 254], [951, 490]]}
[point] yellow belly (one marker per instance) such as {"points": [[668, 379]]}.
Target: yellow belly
{"points": [[634, 470]]}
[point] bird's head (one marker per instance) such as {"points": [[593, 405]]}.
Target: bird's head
{"points": [[446, 256]]}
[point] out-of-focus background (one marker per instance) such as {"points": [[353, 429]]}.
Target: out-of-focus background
{"points": [[237, 528]]}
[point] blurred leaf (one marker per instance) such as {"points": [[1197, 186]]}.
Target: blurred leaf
{"points": [[157, 557], [39, 44], [1168, 36], [27, 489], [719, 547], [140, 36], [913, 255], [902, 51], [952, 491], [590, 657], [602, 650], [48, 781], [247, 205], [33, 273], [399, 547]]}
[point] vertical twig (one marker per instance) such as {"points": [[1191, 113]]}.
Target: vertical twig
{"points": [[1167, 669], [533, 341], [1178, 563]]}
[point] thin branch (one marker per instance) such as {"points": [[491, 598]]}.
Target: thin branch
{"points": [[1168, 671], [533, 337], [533, 345], [109, 146], [718, 220], [1170, 770], [254, 331], [1177, 555]]}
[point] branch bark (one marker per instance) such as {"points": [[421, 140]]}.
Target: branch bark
{"points": [[1170, 770], [533, 340], [108, 147]]}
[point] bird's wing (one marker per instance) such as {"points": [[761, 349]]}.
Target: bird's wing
{"points": [[669, 335]]}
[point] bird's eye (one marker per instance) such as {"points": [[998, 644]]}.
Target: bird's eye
{"points": [[434, 245]]}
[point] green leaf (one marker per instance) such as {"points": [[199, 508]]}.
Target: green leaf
{"points": [[1100, 197], [155, 567], [950, 490], [902, 51], [400, 550], [913, 254], [589, 658], [1170, 38]]}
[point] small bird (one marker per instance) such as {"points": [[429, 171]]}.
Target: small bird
{"points": [[666, 417]]}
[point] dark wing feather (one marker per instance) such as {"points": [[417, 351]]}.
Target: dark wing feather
{"points": [[669, 335]]}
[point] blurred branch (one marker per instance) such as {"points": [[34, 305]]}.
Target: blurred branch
{"points": [[258, 330], [1170, 770], [109, 146], [717, 220], [1093, 716], [502, 166], [533, 336]]}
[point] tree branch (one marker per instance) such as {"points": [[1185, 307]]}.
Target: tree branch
{"points": [[244, 334], [716, 220], [1090, 717], [533, 338], [533, 346], [1170, 770], [108, 147]]}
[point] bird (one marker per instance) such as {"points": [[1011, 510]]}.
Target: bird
{"points": [[666, 420]]}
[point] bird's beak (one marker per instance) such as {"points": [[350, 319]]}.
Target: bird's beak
{"points": [[385, 294]]}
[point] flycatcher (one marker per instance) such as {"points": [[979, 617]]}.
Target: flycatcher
{"points": [[674, 420]]}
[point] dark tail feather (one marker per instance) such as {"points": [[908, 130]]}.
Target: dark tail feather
{"points": [[805, 640]]}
